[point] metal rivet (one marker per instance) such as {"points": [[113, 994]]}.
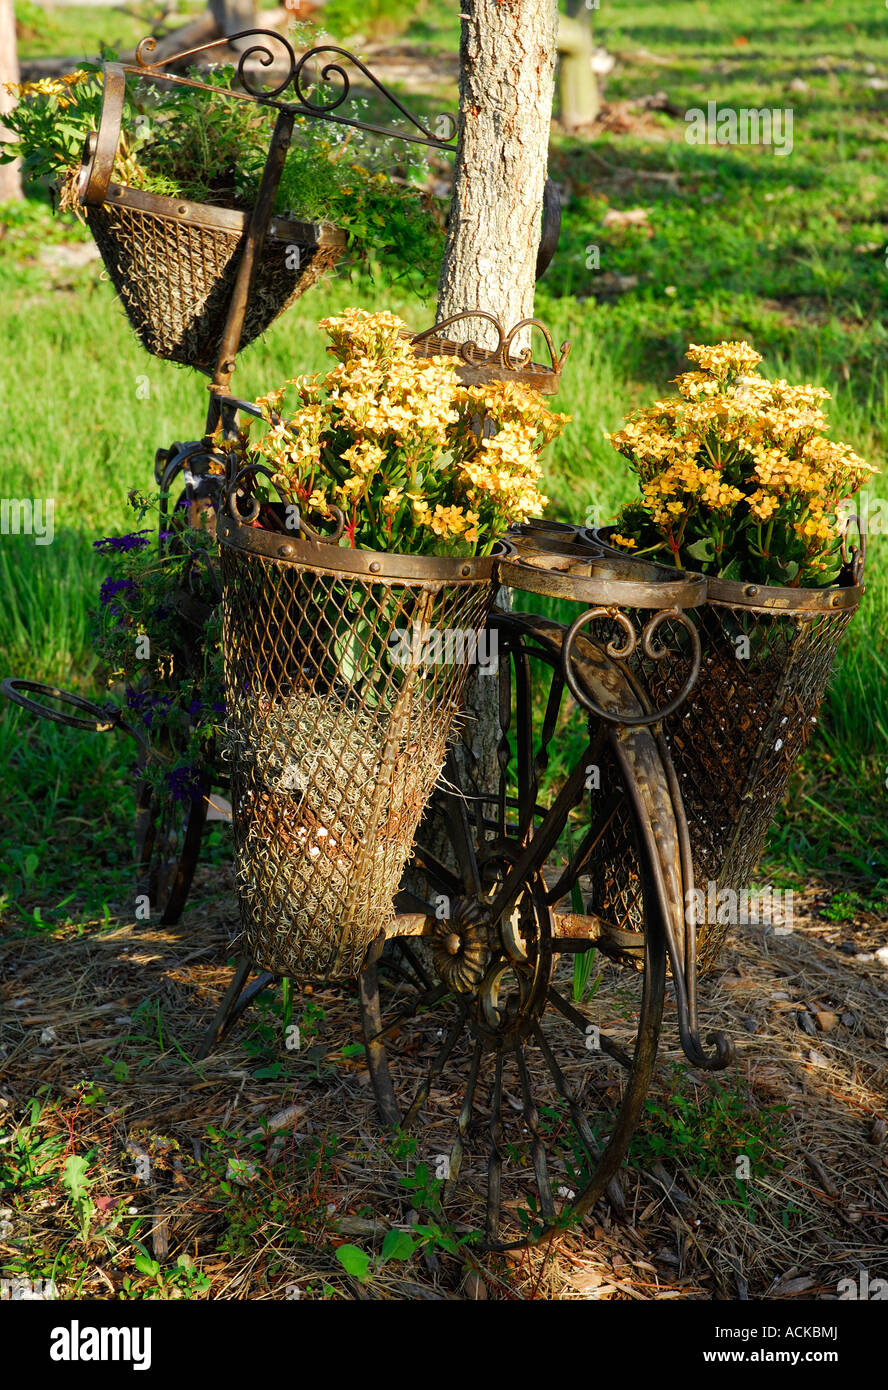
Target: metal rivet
{"points": [[465, 570], [835, 600], [750, 591], [374, 567], [285, 550], [182, 209], [114, 189]]}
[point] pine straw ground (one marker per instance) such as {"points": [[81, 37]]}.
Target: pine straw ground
{"points": [[256, 1178]]}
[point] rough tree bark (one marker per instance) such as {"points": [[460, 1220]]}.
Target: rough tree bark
{"points": [[10, 179], [507, 66]]}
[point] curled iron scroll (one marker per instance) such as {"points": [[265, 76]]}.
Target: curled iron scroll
{"points": [[264, 54], [651, 648], [236, 494], [335, 69], [855, 558], [260, 49], [501, 355]]}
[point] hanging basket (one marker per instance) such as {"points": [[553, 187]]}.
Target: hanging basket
{"points": [[345, 671], [174, 263], [768, 652]]}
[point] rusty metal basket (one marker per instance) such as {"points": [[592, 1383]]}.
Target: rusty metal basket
{"points": [[768, 652], [174, 263], [344, 675]]}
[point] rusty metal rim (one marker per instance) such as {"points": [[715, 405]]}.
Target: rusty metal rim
{"points": [[770, 598], [598, 582], [336, 559], [761, 598], [218, 219]]}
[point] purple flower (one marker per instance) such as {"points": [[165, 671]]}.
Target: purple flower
{"points": [[185, 784], [135, 540], [219, 707], [164, 535], [110, 587], [195, 708], [143, 703]]}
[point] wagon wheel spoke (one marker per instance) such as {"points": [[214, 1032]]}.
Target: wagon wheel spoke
{"points": [[436, 1066], [582, 1024], [495, 1160], [464, 1121], [538, 1147]]}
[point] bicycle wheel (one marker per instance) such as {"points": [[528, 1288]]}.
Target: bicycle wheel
{"points": [[548, 1088]]}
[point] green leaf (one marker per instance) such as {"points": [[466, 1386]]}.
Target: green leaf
{"points": [[702, 550], [398, 1245], [74, 1177], [353, 1050], [269, 1073], [145, 1264], [354, 1261]]}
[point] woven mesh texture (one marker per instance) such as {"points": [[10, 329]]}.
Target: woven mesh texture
{"points": [[733, 743], [175, 280], [736, 739], [339, 713]]}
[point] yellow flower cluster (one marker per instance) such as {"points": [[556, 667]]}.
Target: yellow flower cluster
{"points": [[734, 453], [725, 359], [59, 87], [411, 455]]}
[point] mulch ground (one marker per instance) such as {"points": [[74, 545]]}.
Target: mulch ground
{"points": [[261, 1160]]}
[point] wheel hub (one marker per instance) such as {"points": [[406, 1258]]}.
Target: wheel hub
{"points": [[500, 968]]}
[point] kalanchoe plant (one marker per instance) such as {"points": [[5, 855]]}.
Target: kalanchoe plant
{"points": [[737, 478], [207, 147], [415, 460], [171, 684]]}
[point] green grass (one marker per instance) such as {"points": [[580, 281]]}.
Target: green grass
{"points": [[48, 30], [786, 252]]}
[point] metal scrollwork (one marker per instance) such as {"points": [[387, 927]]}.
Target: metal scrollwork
{"points": [[237, 495], [651, 648], [262, 51]]}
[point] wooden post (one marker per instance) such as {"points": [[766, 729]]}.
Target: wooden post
{"points": [[10, 178]]}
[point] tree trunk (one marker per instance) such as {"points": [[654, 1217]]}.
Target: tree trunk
{"points": [[10, 179], [507, 66]]}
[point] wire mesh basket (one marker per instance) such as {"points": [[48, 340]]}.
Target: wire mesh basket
{"points": [[173, 265], [345, 672], [767, 657]]}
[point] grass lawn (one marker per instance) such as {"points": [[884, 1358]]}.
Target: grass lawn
{"points": [[736, 242]]}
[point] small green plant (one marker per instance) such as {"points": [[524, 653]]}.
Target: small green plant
{"points": [[183, 1280], [29, 1162], [846, 905], [401, 1244], [77, 1185], [119, 1069], [584, 987], [706, 1131]]}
